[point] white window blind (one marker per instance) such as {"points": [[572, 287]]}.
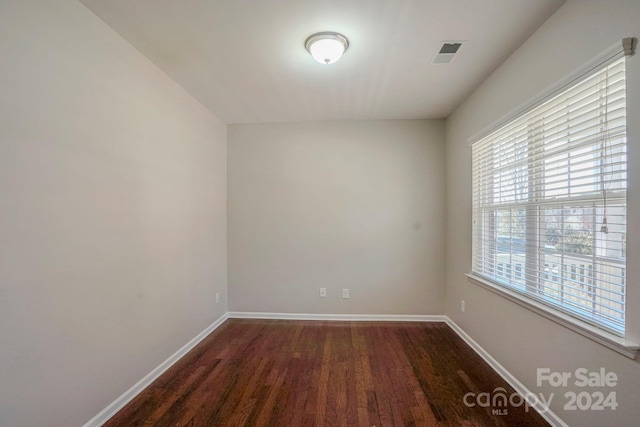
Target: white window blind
{"points": [[549, 201]]}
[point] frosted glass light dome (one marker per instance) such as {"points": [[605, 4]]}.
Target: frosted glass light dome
{"points": [[326, 47]]}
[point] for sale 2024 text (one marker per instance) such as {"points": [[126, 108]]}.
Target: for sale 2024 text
{"points": [[599, 397]]}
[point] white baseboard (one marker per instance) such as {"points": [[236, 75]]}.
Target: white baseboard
{"points": [[137, 388], [520, 388], [339, 317], [128, 395]]}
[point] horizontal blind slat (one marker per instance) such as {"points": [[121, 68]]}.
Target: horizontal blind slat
{"points": [[541, 185]]}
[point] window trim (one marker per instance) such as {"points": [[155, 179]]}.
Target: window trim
{"points": [[619, 50], [621, 345], [615, 342]]}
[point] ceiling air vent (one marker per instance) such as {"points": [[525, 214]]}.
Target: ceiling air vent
{"points": [[447, 51]]}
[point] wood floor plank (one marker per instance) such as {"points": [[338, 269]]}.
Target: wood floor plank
{"points": [[306, 373]]}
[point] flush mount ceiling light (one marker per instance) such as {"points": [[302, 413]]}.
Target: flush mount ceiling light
{"points": [[326, 47]]}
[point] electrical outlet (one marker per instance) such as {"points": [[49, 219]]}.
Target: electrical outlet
{"points": [[345, 293], [323, 292], [217, 297], [463, 305]]}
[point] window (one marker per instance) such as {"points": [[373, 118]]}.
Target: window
{"points": [[549, 201]]}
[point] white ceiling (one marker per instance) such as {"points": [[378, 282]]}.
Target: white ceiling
{"points": [[245, 59]]}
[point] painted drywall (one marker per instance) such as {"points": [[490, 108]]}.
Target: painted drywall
{"points": [[112, 215], [519, 339], [345, 204]]}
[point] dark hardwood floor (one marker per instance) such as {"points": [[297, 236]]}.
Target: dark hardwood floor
{"points": [[316, 373]]}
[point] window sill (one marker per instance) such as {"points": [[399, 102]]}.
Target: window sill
{"points": [[616, 343]]}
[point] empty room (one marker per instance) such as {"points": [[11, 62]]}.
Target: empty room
{"points": [[319, 212]]}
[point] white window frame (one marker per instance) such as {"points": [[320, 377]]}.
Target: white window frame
{"points": [[611, 339]]}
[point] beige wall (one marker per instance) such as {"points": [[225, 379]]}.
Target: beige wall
{"points": [[521, 340], [355, 205], [112, 215]]}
